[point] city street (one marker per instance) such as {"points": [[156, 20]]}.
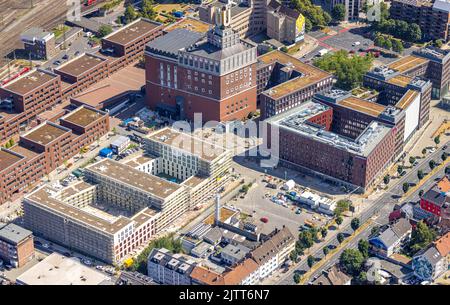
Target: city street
{"points": [[378, 211]]}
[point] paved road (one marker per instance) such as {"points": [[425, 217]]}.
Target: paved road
{"points": [[378, 211]]}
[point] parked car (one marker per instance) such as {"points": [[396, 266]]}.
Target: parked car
{"points": [[264, 219]]}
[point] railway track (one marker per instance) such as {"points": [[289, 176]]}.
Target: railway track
{"points": [[17, 16]]}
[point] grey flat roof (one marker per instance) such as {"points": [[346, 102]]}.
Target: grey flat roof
{"points": [[208, 50], [174, 41], [36, 32], [14, 234]]}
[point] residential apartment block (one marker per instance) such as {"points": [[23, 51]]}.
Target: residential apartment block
{"points": [[433, 261], [16, 245], [433, 16], [72, 217], [127, 45], [26, 97], [167, 268], [46, 147], [144, 199], [284, 23]]}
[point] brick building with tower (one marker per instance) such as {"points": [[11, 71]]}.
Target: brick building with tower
{"points": [[212, 73]]}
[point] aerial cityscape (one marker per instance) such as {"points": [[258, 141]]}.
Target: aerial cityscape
{"points": [[225, 142]]}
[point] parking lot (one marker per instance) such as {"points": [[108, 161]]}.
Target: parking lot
{"points": [[258, 204]]}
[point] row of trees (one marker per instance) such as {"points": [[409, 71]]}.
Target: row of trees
{"points": [[349, 70], [352, 261], [398, 28], [389, 43]]}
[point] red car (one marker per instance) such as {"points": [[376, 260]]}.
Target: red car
{"points": [[264, 219]]}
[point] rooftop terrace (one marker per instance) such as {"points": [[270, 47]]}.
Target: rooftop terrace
{"points": [[190, 24], [363, 106], [400, 80], [46, 133], [30, 82], [406, 99], [311, 74], [407, 63], [133, 31]]}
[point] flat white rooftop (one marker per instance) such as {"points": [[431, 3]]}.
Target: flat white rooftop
{"points": [[57, 269]]}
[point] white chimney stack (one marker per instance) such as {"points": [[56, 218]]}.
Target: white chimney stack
{"points": [[217, 213]]}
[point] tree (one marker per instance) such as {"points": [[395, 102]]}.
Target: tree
{"points": [[405, 187], [437, 140], [387, 44], [363, 247], [355, 223], [399, 169], [323, 232], [11, 142], [293, 256], [349, 70], [420, 174], [342, 206], [386, 179], [351, 260], [424, 151], [105, 30], [297, 278], [130, 14], [338, 12], [375, 230], [310, 260], [148, 10], [421, 193], [340, 237], [325, 250], [361, 279], [339, 220], [306, 239], [379, 41], [284, 49], [447, 170], [444, 156], [432, 164], [397, 45], [412, 160], [421, 237], [438, 43], [114, 130], [413, 33], [315, 16]]}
